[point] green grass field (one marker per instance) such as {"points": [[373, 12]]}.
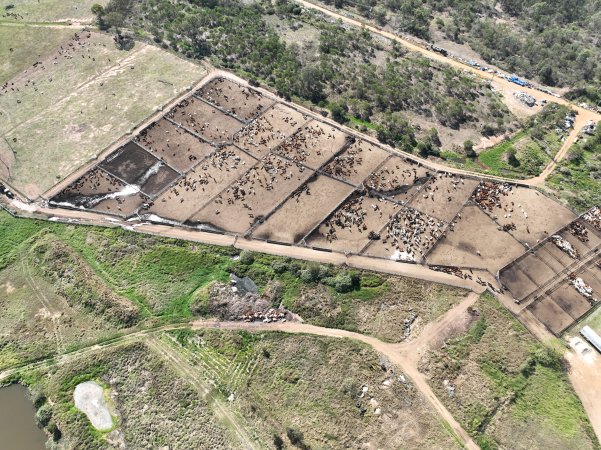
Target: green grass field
{"points": [[83, 103], [49, 10]]}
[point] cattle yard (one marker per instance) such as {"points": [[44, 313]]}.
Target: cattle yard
{"points": [[232, 159], [559, 280]]}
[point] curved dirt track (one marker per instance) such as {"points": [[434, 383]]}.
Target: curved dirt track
{"points": [[406, 355]]}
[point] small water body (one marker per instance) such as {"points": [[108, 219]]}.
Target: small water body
{"points": [[18, 429]]}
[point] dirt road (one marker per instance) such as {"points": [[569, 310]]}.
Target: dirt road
{"points": [[580, 122], [585, 367], [406, 356], [501, 84]]}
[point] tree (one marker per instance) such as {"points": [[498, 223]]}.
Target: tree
{"points": [[512, 159], [395, 129], [247, 257], [338, 111], [44, 414], [114, 19], [546, 76], [97, 10], [433, 137], [297, 438], [468, 148], [310, 86], [278, 442], [124, 41]]}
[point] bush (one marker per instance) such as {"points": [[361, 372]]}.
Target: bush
{"points": [[343, 282], [278, 442], [279, 266], [311, 273], [297, 438], [468, 148], [247, 257], [44, 414]]}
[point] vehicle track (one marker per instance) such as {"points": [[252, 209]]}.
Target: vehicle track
{"points": [[54, 315], [181, 365]]}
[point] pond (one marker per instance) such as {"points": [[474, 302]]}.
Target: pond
{"points": [[18, 429]]}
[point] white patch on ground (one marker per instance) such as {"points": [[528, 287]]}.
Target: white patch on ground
{"points": [[159, 219], [9, 287], [402, 256], [583, 350], [23, 206], [89, 399]]}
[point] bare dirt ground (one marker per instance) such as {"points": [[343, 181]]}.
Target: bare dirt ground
{"points": [[245, 104], [202, 184], [314, 145], [475, 241], [270, 130], [355, 163], [534, 215], [254, 195], [585, 366], [347, 229], [398, 178], [316, 198], [205, 120], [444, 195], [176, 146]]}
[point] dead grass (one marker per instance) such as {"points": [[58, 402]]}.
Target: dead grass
{"points": [[393, 309], [68, 116], [51, 10]]}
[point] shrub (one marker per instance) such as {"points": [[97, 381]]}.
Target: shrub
{"points": [[311, 273], [343, 282], [44, 414], [247, 257], [279, 266]]}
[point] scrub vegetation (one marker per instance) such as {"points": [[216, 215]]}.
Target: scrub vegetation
{"points": [[499, 382]]}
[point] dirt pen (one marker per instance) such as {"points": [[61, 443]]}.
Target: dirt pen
{"points": [[234, 159], [559, 280]]}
